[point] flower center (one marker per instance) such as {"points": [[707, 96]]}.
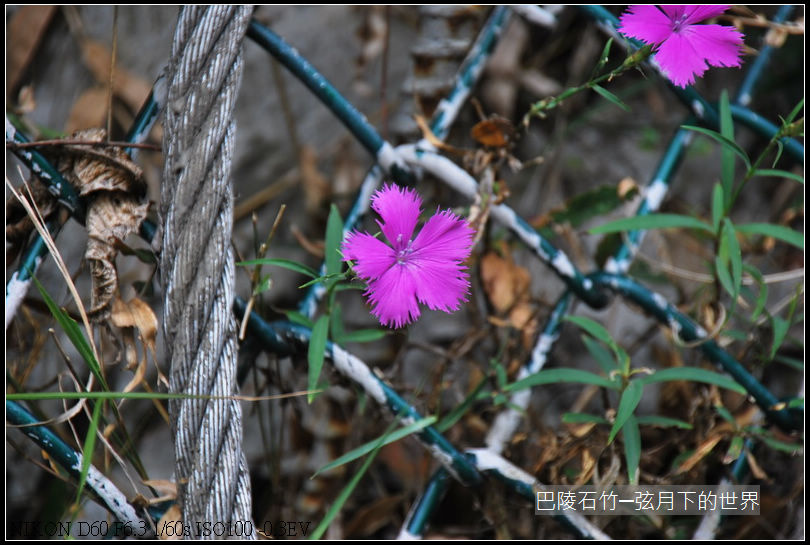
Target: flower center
{"points": [[403, 252], [679, 23]]}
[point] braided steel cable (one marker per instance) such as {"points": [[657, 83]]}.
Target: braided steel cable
{"points": [[197, 263]]}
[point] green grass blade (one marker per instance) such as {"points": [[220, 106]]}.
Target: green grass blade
{"points": [[334, 236], [74, 333], [627, 405], [605, 360], [718, 207], [453, 416], [776, 173], [785, 234], [632, 448], [364, 449], [663, 422], [555, 376], [726, 153], [284, 263], [693, 374], [735, 256], [89, 446], [725, 142], [610, 97], [652, 221], [315, 354], [583, 418]]}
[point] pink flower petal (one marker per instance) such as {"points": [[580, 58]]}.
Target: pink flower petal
{"points": [[442, 285], [719, 45], [372, 256], [696, 14], [393, 296], [646, 23], [399, 209], [679, 60], [444, 236]]}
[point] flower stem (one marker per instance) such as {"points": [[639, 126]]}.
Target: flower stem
{"points": [[538, 109]]}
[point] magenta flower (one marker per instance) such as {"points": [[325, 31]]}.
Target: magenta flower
{"points": [[429, 268], [684, 49]]}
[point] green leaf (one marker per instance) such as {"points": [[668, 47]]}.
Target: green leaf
{"points": [[790, 448], [74, 333], [785, 234], [610, 97], [694, 374], [361, 336], [721, 268], [627, 405], [89, 446], [600, 333], [718, 208], [762, 297], [328, 279], [297, 318], [555, 376], [583, 418], [727, 416], [780, 330], [453, 416], [794, 112], [335, 508], [334, 236], [315, 354], [335, 322], [734, 449], [725, 142], [285, 263], [605, 360], [652, 221], [794, 363], [735, 256], [383, 440], [632, 448], [595, 329], [726, 153], [500, 375], [603, 58], [663, 422], [590, 204], [779, 174]]}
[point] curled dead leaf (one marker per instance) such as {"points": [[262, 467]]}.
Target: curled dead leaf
{"points": [[504, 282], [92, 169], [495, 132], [110, 217], [114, 188]]}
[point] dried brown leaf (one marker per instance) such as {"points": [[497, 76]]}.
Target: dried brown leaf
{"points": [[92, 169], [495, 132], [110, 217], [504, 282], [136, 314]]}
